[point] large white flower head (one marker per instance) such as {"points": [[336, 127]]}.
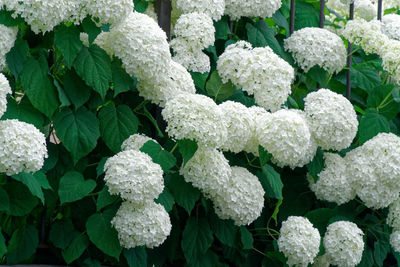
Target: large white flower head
{"points": [[333, 183], [314, 46], [252, 144], [195, 117], [109, 11], [395, 240], [5, 89], [391, 58], [391, 26], [142, 46], [240, 122], [257, 71], [332, 119], [393, 217], [192, 59], [365, 9], [135, 142], [299, 241], [197, 29], [344, 245], [23, 147], [375, 170], [286, 135], [213, 8], [142, 224], [242, 198], [177, 81], [208, 170], [134, 176], [251, 8], [8, 37]]}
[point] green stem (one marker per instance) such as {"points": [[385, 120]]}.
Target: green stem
{"points": [[173, 149], [141, 105], [153, 121], [262, 253], [385, 99], [355, 50]]}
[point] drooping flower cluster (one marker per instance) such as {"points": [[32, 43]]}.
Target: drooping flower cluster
{"points": [[213, 8], [135, 142], [251, 8], [258, 71], [314, 46], [344, 245], [5, 89], [391, 26], [22, 147], [332, 119], [299, 241], [8, 37]]}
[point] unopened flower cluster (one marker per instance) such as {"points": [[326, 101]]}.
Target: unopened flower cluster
{"points": [[251, 8]]}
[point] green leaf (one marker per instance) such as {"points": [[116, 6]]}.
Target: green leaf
{"points": [[3, 247], [185, 194], [187, 148], [100, 166], [116, 125], [381, 250], [103, 235], [4, 200], [31, 182], [89, 26], [196, 238], [381, 98], [371, 124], [166, 199], [316, 165], [122, 81], [320, 218], [67, 39], [7, 19], [76, 248], [281, 21], [23, 111], [276, 211], [61, 95], [141, 5], [17, 57], [367, 259], [222, 30], [62, 233], [23, 244], [77, 130], [318, 74], [136, 257], [159, 155], [42, 180], [199, 79], [264, 155], [305, 16], [105, 199], [219, 90], [224, 230], [271, 181], [246, 238], [76, 89], [93, 65], [364, 77], [22, 201], [38, 87], [73, 186]]}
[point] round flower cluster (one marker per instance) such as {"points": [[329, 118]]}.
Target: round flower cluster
{"points": [[135, 142], [5, 89], [333, 183], [251, 8], [393, 217], [391, 26], [375, 170], [213, 8], [256, 113], [344, 245], [134, 176], [395, 240], [23, 147], [166, 87], [195, 117], [314, 46], [332, 119], [8, 37], [241, 199], [364, 9], [286, 135], [240, 122], [109, 11], [257, 71], [193, 60], [299, 241], [208, 170], [145, 224]]}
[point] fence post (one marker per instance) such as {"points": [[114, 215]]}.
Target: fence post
{"points": [[349, 58], [292, 15], [163, 9], [321, 13], [379, 9]]}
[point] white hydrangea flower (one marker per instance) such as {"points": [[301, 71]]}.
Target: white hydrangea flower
{"points": [[364, 9], [240, 122], [102, 40], [135, 142], [314, 46], [333, 183], [208, 170], [391, 26], [193, 60], [375, 170], [242, 198], [178, 80], [258, 71], [299, 241], [344, 245], [213, 8], [142, 46], [321, 261], [395, 240], [134, 176], [142, 224], [150, 11], [5, 89], [393, 217], [252, 144], [286, 135], [332, 119], [195, 117], [391, 58], [23, 147], [251, 8], [8, 37], [109, 11]]}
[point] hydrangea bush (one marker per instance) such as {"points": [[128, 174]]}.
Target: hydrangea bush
{"points": [[231, 142]]}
